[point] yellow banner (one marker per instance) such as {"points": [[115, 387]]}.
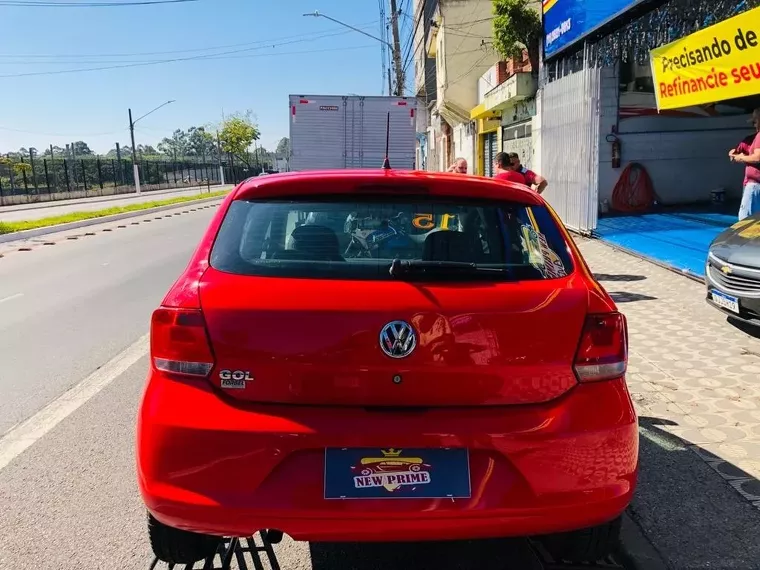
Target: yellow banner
{"points": [[718, 63]]}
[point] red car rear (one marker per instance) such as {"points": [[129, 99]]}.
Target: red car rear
{"points": [[378, 355]]}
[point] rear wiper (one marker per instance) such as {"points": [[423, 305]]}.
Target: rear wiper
{"points": [[399, 268]]}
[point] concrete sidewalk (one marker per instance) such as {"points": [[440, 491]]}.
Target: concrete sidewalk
{"points": [[694, 379], [40, 210]]}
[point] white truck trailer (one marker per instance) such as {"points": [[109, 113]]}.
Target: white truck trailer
{"points": [[348, 131]]}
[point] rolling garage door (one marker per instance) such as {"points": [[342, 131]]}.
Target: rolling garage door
{"points": [[489, 152], [570, 120]]}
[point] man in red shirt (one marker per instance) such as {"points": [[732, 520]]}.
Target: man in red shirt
{"points": [[532, 180], [503, 170], [748, 153]]}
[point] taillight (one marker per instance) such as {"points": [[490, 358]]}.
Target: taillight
{"points": [[178, 342], [603, 350]]}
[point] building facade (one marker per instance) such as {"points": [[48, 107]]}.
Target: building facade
{"points": [[597, 115], [457, 41], [505, 112], [424, 78]]}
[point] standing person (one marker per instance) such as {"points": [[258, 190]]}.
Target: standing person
{"points": [[532, 180], [459, 166], [749, 154], [504, 171]]}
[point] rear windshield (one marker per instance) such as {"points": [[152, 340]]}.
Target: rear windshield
{"points": [[346, 238]]}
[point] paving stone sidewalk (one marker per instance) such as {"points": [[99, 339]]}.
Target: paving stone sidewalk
{"points": [[695, 379]]}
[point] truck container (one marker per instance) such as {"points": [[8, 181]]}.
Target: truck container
{"points": [[348, 131]]}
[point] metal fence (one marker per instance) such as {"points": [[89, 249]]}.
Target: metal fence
{"points": [[46, 179]]}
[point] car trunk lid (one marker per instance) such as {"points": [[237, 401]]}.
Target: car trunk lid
{"points": [[476, 343]]}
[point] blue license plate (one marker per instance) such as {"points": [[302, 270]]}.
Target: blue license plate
{"points": [[726, 301], [389, 473]]}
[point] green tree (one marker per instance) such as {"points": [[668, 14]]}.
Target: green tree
{"points": [[146, 150], [57, 151], [15, 163], [237, 134], [82, 149], [176, 146], [283, 147], [200, 142], [517, 26]]}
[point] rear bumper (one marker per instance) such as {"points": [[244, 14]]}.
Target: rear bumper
{"points": [[211, 466]]}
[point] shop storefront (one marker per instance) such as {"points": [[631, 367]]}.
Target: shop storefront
{"points": [[517, 131], [640, 159], [504, 91]]}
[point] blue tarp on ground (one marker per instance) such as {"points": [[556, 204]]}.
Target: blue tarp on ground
{"points": [[679, 240]]}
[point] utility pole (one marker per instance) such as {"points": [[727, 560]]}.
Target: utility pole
{"points": [[397, 51], [52, 165], [73, 166], [135, 169], [219, 154], [120, 176], [34, 172]]}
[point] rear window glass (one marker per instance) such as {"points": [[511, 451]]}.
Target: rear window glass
{"points": [[391, 238]]}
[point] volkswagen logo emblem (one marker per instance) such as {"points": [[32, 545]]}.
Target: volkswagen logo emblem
{"points": [[397, 339]]}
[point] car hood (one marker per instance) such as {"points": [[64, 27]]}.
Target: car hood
{"points": [[739, 244]]}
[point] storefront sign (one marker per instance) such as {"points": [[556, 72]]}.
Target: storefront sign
{"points": [[567, 21], [523, 111], [715, 64]]}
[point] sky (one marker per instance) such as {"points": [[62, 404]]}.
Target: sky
{"points": [[247, 55]]}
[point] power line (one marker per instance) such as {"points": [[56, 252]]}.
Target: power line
{"points": [[33, 4], [381, 7], [463, 75], [306, 37], [469, 23], [159, 62], [63, 134], [409, 50]]}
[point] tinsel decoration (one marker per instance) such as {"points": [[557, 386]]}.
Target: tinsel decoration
{"points": [[632, 42]]}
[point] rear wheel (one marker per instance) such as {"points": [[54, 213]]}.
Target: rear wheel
{"points": [[272, 536], [585, 545], [176, 546]]}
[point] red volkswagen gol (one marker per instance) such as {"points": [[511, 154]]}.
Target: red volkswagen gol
{"points": [[384, 356]]}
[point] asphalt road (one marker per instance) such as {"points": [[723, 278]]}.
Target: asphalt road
{"points": [[68, 496], [69, 308]]}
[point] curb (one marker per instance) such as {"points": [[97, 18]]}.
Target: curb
{"points": [[636, 551], [27, 234]]}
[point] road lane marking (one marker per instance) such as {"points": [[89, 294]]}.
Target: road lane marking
{"points": [[27, 433], [16, 296]]}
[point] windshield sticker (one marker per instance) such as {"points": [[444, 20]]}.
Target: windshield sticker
{"points": [[532, 248], [540, 255], [533, 220], [553, 264], [427, 222]]}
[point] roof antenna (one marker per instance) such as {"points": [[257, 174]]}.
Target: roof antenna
{"points": [[387, 162]]}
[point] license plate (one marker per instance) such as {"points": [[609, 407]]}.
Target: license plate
{"points": [[725, 301], [395, 473]]}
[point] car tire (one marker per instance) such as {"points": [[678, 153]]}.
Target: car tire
{"points": [[175, 546], [585, 545]]}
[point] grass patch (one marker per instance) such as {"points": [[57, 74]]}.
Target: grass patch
{"points": [[12, 227]]}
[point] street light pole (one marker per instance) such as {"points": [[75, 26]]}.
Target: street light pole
{"points": [[135, 169], [132, 123], [396, 52]]}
